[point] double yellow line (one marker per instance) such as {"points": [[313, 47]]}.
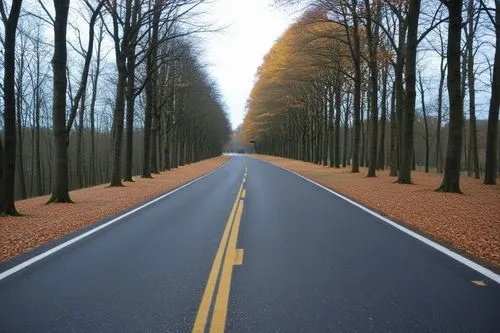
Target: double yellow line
{"points": [[232, 256]]}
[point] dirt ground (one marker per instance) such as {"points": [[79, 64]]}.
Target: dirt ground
{"points": [[469, 222], [42, 223]]}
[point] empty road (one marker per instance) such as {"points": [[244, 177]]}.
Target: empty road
{"points": [[248, 248]]}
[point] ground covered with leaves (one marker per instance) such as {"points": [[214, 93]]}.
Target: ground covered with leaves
{"points": [[42, 223], [469, 222]]}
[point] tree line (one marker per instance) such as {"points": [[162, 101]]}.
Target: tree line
{"points": [[97, 91], [364, 83]]}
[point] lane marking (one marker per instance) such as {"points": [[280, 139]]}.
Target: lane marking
{"points": [[238, 260], [480, 283], [244, 194], [218, 323], [465, 261], [59, 247], [206, 301]]}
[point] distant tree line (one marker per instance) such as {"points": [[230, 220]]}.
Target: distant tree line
{"points": [[97, 91], [363, 83]]}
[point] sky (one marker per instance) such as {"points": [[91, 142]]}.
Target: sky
{"points": [[233, 55]]}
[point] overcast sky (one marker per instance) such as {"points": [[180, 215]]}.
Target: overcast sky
{"points": [[234, 54]]}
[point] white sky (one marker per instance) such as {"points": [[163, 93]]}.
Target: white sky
{"points": [[235, 54]]}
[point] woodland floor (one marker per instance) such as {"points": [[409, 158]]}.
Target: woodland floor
{"points": [[469, 222], [42, 223]]}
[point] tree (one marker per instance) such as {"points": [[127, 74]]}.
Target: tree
{"points": [[60, 186], [409, 102], [95, 81], [148, 162], [470, 31], [373, 40], [79, 98], [424, 114], [451, 178], [8, 153], [121, 45], [130, 92], [20, 97], [443, 65], [354, 43], [490, 167], [383, 118]]}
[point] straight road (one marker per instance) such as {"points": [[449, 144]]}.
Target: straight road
{"points": [[249, 248]]}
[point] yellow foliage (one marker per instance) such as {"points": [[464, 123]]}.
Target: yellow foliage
{"points": [[311, 52]]}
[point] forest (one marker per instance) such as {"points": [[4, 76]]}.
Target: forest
{"points": [[384, 84], [99, 91]]}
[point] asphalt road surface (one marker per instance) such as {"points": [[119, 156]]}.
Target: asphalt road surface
{"points": [[248, 248]]}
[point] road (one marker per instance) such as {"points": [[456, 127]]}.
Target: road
{"points": [[248, 248]]}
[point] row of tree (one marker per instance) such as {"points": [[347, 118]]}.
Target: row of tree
{"points": [[86, 118], [341, 84]]}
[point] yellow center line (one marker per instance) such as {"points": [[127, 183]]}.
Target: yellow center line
{"points": [[218, 322], [206, 301]]}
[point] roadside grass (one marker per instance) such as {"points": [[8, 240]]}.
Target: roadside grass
{"points": [[469, 222], [41, 223]]}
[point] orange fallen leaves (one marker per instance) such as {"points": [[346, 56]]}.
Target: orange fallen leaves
{"points": [[42, 223]]}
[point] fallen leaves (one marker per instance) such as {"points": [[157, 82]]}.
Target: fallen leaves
{"points": [[42, 223]]}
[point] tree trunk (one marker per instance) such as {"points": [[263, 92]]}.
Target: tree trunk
{"points": [[118, 117], [346, 130], [362, 128], [399, 89], [338, 105], [439, 162], [383, 119], [474, 154], [9, 151], [38, 161], [372, 35], [93, 170], [20, 153], [119, 110], [130, 92], [451, 178], [424, 112], [60, 187], [147, 158], [490, 167], [409, 102], [79, 144], [393, 172], [130, 101], [354, 42], [331, 133], [463, 85]]}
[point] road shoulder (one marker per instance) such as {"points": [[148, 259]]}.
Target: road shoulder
{"points": [[44, 224]]}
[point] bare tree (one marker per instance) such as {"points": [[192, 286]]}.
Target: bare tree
{"points": [[60, 186], [451, 178], [373, 41], [8, 153], [490, 168], [426, 125], [470, 32], [95, 81], [409, 102]]}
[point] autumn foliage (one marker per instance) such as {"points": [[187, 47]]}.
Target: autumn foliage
{"points": [[309, 56]]}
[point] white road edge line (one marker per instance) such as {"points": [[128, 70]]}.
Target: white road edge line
{"points": [[59, 247], [467, 262]]}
